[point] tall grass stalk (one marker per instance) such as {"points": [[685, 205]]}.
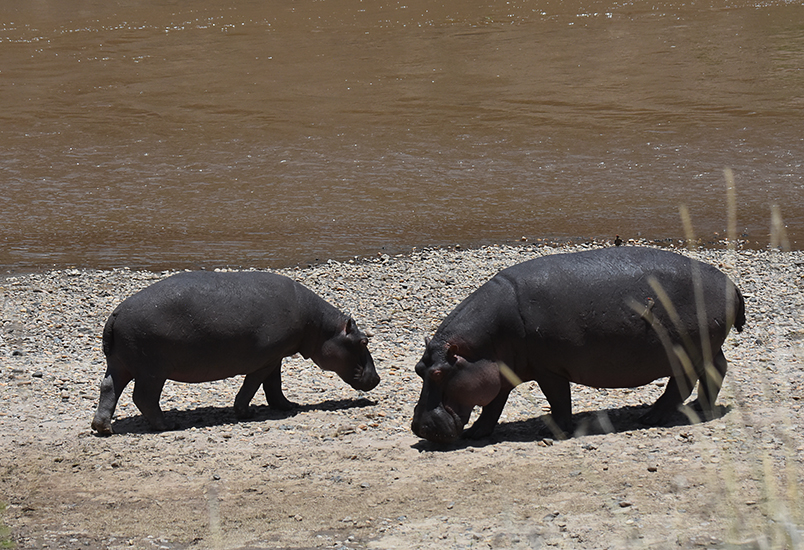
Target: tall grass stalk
{"points": [[778, 237], [214, 512], [731, 211]]}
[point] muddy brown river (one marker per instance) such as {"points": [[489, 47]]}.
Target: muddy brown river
{"points": [[157, 134]]}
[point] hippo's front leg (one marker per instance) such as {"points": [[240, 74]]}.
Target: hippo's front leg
{"points": [[488, 418], [273, 391], [147, 390], [557, 392], [251, 384]]}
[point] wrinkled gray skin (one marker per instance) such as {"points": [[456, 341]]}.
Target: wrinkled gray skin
{"points": [[204, 326], [589, 317]]}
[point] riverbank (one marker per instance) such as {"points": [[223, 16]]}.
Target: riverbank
{"points": [[344, 470]]}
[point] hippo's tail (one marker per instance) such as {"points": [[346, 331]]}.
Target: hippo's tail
{"points": [[739, 313], [108, 334]]}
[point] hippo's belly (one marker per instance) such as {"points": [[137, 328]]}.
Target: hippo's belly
{"points": [[608, 363], [187, 352]]}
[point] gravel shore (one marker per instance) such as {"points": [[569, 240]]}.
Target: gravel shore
{"points": [[218, 483]]}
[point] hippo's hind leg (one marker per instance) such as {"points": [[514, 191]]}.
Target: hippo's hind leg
{"points": [[114, 382], [270, 378], [147, 390], [678, 390], [709, 385]]}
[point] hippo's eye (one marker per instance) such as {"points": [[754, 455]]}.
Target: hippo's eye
{"points": [[364, 342], [437, 375]]}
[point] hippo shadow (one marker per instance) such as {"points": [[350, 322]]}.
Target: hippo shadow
{"points": [[600, 422], [604, 421], [204, 417]]}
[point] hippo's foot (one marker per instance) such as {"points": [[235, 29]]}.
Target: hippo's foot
{"points": [[273, 393], [561, 427], [657, 416], [156, 420], [477, 431], [283, 404], [668, 405], [703, 411], [103, 427], [162, 425]]}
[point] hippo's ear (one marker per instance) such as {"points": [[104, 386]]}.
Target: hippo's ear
{"points": [[454, 357], [426, 342], [452, 353], [351, 326]]}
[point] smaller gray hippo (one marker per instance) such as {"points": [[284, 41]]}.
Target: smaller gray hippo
{"points": [[204, 326], [611, 318]]}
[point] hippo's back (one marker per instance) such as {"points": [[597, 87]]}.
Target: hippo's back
{"points": [[599, 288], [591, 312], [208, 319], [622, 264], [212, 300]]}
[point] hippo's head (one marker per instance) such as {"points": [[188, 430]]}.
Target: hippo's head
{"points": [[453, 383], [346, 354]]}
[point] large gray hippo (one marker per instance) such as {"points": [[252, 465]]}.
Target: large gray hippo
{"points": [[609, 318], [204, 326]]}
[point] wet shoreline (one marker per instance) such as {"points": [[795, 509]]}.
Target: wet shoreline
{"points": [[566, 244]]}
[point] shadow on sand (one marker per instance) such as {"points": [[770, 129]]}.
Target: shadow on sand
{"points": [[219, 416], [618, 420]]}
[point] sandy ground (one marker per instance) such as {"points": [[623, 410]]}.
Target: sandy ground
{"points": [[343, 470]]}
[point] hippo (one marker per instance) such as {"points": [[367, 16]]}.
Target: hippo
{"points": [[204, 326], [606, 318]]}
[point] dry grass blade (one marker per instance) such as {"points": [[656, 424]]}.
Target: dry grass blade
{"points": [[778, 232]]}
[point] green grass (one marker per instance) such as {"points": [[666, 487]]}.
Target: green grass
{"points": [[5, 532]]}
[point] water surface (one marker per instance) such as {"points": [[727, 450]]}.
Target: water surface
{"points": [[159, 134]]}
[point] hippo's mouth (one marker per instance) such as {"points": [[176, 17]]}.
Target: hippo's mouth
{"points": [[440, 425], [364, 379]]}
